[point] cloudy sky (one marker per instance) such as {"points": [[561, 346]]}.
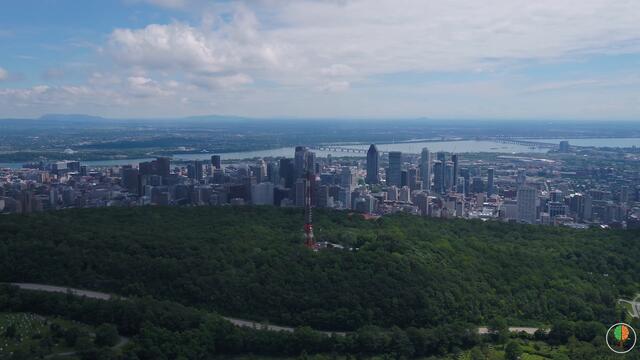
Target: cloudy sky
{"points": [[497, 59]]}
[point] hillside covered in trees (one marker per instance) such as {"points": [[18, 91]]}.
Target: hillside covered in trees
{"points": [[407, 271]]}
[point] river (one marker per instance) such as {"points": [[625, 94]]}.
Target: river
{"points": [[459, 146]]}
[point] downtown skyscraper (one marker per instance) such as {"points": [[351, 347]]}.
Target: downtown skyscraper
{"points": [[425, 168], [394, 175], [373, 160]]}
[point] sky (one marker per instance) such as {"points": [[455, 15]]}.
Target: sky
{"points": [[462, 59]]}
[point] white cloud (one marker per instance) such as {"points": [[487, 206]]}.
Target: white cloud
{"points": [[302, 41], [174, 46], [336, 86], [227, 82], [338, 70], [3, 74], [276, 56]]}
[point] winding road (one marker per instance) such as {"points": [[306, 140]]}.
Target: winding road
{"points": [[235, 321]]}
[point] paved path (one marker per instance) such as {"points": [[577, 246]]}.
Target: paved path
{"points": [[105, 296], [483, 330], [60, 289], [235, 321], [635, 306]]}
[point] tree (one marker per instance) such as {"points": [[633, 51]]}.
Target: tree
{"points": [[71, 336], [401, 346], [476, 354], [499, 330], [560, 333], [512, 351], [11, 331], [106, 335]]}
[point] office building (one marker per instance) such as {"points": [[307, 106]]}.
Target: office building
{"points": [[130, 179], [216, 162], [490, 175], [425, 168], [412, 179], [300, 191], [527, 197], [394, 175], [454, 160], [287, 172], [262, 193], [300, 162], [438, 177], [521, 177], [373, 165]]}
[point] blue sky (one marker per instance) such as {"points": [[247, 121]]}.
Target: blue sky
{"points": [[498, 59]]}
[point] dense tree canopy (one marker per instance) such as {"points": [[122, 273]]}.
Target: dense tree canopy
{"points": [[408, 271]]}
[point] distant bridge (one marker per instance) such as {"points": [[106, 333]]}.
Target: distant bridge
{"points": [[533, 144], [333, 148]]}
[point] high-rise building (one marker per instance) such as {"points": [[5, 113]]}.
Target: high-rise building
{"points": [[311, 162], [425, 168], [347, 177], [160, 166], [477, 185], [438, 177], [442, 157], [527, 197], [564, 146], [521, 178], [412, 178], [556, 209], [405, 194], [301, 188], [490, 174], [130, 179], [392, 193], [300, 162], [394, 176], [556, 196], [454, 159], [163, 166], [273, 173], [464, 173], [373, 165], [460, 185], [287, 172], [194, 170], [322, 196], [216, 161], [448, 175], [262, 193]]}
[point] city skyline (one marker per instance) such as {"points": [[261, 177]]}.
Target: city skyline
{"points": [[509, 189], [174, 58]]}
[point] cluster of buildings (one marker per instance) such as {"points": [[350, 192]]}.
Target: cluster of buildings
{"points": [[507, 188]]}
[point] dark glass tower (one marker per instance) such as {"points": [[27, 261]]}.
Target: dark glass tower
{"points": [[394, 175], [373, 160]]}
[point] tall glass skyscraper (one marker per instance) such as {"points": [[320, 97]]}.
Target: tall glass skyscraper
{"points": [[490, 173], [394, 176], [373, 165], [425, 168]]}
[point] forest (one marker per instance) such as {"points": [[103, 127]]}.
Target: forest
{"points": [[403, 271]]}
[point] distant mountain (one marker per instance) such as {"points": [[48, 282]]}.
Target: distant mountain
{"points": [[71, 117]]}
